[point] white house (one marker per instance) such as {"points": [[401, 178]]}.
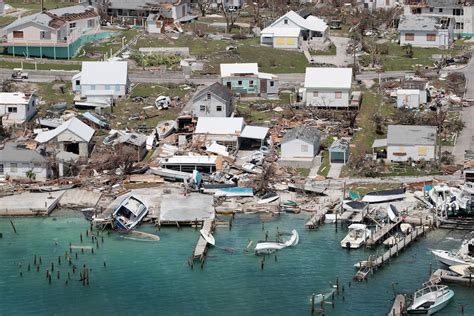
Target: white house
{"points": [[408, 98], [16, 161], [101, 81], [327, 87], [223, 130], [214, 101], [405, 142], [17, 107], [72, 136], [425, 31], [291, 29], [299, 146]]}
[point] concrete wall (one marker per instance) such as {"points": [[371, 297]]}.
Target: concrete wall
{"points": [[115, 90], [25, 112], [408, 100], [297, 148], [416, 153], [211, 107], [443, 38], [22, 168], [31, 32], [327, 97]]}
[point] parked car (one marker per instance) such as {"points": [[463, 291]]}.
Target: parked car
{"points": [[18, 73], [162, 102]]}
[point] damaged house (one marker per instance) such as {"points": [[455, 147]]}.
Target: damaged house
{"points": [[222, 130], [425, 31], [17, 107], [411, 142], [72, 136], [213, 101], [246, 80], [300, 146], [17, 161]]}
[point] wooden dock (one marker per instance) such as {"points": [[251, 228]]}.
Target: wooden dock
{"points": [[398, 306], [382, 232], [373, 264], [345, 216], [317, 219], [200, 250]]}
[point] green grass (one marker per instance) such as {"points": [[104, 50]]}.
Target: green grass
{"points": [[50, 94], [248, 50], [325, 165], [49, 4], [395, 59], [96, 50], [394, 170], [4, 20], [41, 66], [304, 172]]}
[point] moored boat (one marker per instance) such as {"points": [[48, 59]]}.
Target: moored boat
{"points": [[464, 270], [129, 213], [357, 236], [266, 247], [392, 212], [208, 236], [268, 198], [430, 299], [406, 228]]}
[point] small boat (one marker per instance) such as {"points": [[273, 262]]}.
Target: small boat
{"points": [[267, 247], [357, 236], [356, 206], [165, 129], [406, 228], [391, 241], [393, 213], [330, 218], [171, 174], [430, 299], [237, 191], [449, 258], [208, 236], [384, 196], [464, 270], [52, 188], [88, 213], [290, 207], [251, 168], [268, 198], [129, 213]]}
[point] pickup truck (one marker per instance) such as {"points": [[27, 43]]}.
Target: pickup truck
{"points": [[18, 73]]}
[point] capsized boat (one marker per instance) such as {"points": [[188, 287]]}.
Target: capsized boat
{"points": [[208, 236], [357, 236], [464, 270], [465, 254], [266, 247], [392, 212], [252, 168], [430, 299], [129, 213], [384, 196], [268, 198]]}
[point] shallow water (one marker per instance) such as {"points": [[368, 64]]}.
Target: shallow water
{"points": [[153, 277]]}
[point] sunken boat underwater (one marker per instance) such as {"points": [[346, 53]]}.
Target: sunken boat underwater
{"points": [[129, 213], [384, 196]]}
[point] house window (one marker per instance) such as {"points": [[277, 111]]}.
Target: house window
{"points": [[78, 82], [13, 167], [92, 86], [17, 34], [45, 35], [251, 83], [12, 109], [285, 21], [208, 96], [2, 170], [338, 95], [459, 26], [72, 25], [219, 108], [117, 88], [431, 10], [409, 37], [202, 108], [25, 165], [304, 148], [37, 165], [440, 10], [431, 37], [272, 83], [90, 23], [107, 87], [315, 94], [240, 82], [458, 12]]}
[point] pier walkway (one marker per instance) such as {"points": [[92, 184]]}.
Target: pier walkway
{"points": [[372, 264], [398, 306], [200, 250], [382, 232], [317, 219], [447, 276]]}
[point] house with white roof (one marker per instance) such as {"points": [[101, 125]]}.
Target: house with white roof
{"points": [[57, 33], [291, 29], [426, 31], [17, 107], [72, 136], [411, 142], [246, 80], [327, 87], [99, 82], [222, 130]]}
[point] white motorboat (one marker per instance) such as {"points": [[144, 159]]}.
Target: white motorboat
{"points": [[357, 236], [464, 270], [393, 213], [129, 213], [268, 198], [165, 128], [266, 247], [208, 236], [406, 228], [430, 299], [171, 174], [465, 254], [384, 196], [251, 168], [330, 218], [162, 102]]}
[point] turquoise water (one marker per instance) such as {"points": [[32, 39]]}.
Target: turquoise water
{"points": [[152, 277]]}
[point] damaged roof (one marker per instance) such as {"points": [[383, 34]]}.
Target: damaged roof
{"points": [[411, 135], [419, 23], [17, 152], [73, 125], [218, 90], [305, 132]]}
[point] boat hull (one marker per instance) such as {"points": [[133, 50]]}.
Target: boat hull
{"points": [[434, 308], [447, 258]]}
